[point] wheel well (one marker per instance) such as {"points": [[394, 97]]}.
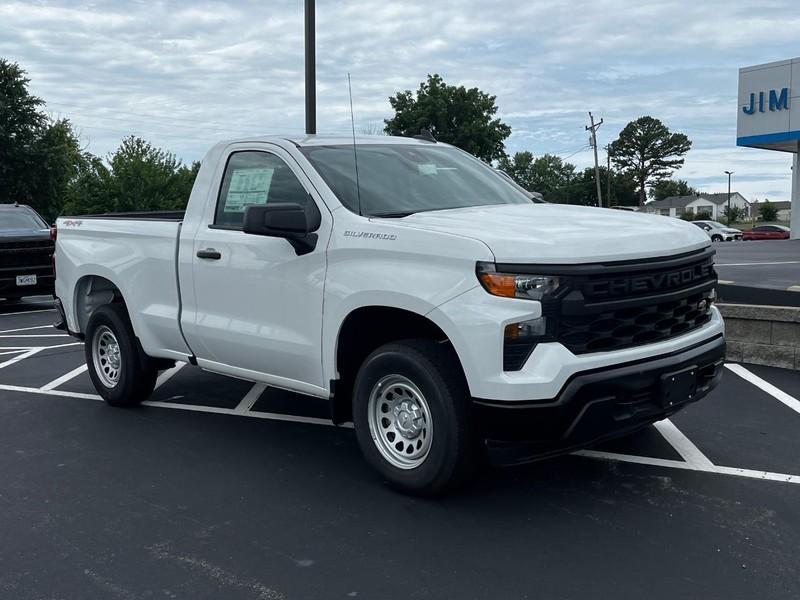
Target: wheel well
{"points": [[364, 330], [92, 291]]}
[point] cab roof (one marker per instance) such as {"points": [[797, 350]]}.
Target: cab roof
{"points": [[302, 140]]}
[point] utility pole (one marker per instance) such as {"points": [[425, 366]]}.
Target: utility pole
{"points": [[311, 68], [729, 173], [593, 128], [608, 174]]}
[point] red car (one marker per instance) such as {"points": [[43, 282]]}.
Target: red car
{"points": [[767, 232]]}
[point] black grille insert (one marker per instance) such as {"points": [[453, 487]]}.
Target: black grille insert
{"points": [[35, 253]]}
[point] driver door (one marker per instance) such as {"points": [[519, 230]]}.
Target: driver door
{"points": [[257, 304]]}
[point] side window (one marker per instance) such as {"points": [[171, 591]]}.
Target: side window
{"points": [[251, 178]]}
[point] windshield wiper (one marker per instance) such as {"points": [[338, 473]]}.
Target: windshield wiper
{"points": [[393, 215]]}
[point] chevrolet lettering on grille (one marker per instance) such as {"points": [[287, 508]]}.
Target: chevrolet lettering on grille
{"points": [[649, 282]]}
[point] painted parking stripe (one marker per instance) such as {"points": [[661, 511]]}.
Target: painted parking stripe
{"points": [[27, 312], [35, 335], [250, 398], [657, 462], [757, 264], [682, 444], [65, 378], [167, 375], [62, 393], [679, 464], [765, 386], [26, 328], [252, 413], [27, 353]]}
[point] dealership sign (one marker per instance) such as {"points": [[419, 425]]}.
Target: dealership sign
{"points": [[769, 106]]}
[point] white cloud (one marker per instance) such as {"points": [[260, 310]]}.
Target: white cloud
{"points": [[185, 75]]}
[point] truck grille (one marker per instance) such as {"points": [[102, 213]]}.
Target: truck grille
{"points": [[24, 254], [633, 326], [624, 305], [617, 305]]}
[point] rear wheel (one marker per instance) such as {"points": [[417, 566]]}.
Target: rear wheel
{"points": [[121, 372], [411, 415]]}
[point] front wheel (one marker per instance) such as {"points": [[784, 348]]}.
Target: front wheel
{"points": [[716, 238], [120, 371], [411, 415]]}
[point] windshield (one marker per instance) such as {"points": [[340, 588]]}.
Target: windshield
{"points": [[20, 219], [397, 180], [716, 225]]}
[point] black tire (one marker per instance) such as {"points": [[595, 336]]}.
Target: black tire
{"points": [[137, 372], [453, 450], [716, 238]]}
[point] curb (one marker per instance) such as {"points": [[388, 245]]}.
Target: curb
{"points": [[762, 335]]}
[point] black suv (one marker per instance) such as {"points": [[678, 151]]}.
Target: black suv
{"points": [[26, 253]]}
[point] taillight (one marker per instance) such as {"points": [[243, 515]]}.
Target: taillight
{"points": [[53, 233]]}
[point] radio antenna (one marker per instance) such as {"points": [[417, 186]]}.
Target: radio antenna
{"points": [[355, 153]]}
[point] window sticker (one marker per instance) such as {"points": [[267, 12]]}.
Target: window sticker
{"points": [[426, 169], [248, 187]]}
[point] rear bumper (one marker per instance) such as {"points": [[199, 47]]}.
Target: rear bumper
{"points": [[603, 403]]}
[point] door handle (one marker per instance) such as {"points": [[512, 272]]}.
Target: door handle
{"points": [[209, 253]]}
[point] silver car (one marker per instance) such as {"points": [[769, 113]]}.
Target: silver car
{"points": [[719, 232]]}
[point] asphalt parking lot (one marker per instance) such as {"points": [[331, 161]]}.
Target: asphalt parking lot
{"points": [[766, 263], [218, 488]]}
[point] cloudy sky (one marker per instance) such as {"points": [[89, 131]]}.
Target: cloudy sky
{"points": [[186, 74]]}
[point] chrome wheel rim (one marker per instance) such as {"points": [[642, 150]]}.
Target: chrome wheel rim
{"points": [[106, 356], [400, 421]]}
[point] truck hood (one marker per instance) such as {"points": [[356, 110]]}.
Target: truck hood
{"points": [[564, 234]]}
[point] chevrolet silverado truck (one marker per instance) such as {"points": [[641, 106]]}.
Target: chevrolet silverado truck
{"points": [[430, 301], [26, 253]]}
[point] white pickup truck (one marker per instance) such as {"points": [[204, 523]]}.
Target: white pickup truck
{"points": [[432, 302]]}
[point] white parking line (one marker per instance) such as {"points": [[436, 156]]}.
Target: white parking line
{"points": [[252, 414], [250, 398], [26, 328], [166, 375], [28, 352], [765, 386], [757, 264], [65, 377], [27, 312], [35, 335], [677, 464], [62, 393], [683, 445]]}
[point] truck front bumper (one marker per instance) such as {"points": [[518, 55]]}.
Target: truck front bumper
{"points": [[601, 404]]}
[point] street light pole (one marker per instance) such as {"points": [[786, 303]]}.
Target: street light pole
{"points": [[729, 195], [311, 69]]}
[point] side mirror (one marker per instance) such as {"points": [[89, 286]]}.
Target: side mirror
{"points": [[285, 220]]}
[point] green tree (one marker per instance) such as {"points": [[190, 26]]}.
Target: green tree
{"points": [[520, 168], [456, 115], [649, 152], [88, 191], [38, 156], [584, 189], [768, 211], [733, 214], [139, 177], [144, 177], [552, 177], [671, 187]]}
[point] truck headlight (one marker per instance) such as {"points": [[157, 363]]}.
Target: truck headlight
{"points": [[529, 287]]}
